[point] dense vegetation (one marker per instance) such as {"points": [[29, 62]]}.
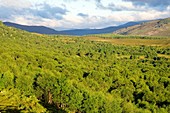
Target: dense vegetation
{"points": [[40, 73]]}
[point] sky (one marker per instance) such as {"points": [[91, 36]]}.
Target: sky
{"points": [[80, 14]]}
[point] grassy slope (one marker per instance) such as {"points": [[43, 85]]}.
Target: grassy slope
{"points": [[152, 28]]}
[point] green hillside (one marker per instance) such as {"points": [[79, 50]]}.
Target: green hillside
{"points": [[60, 74], [152, 28]]}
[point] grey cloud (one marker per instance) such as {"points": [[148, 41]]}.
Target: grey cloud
{"points": [[9, 8], [156, 4], [46, 11], [83, 15], [159, 5], [98, 1], [113, 7], [7, 13], [42, 10], [110, 6]]}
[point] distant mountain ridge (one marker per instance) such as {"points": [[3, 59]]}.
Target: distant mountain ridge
{"points": [[36, 29], [46, 30], [159, 27]]}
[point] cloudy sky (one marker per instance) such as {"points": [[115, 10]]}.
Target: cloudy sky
{"points": [[71, 14]]}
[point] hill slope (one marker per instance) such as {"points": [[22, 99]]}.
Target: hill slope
{"points": [[46, 30], [36, 29], [153, 28], [99, 31], [64, 74]]}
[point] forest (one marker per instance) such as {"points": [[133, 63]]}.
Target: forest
{"points": [[71, 74]]}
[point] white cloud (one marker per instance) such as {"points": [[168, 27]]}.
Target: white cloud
{"points": [[168, 8], [34, 20], [16, 4], [77, 14]]}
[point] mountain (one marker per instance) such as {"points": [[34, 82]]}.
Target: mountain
{"points": [[36, 29], [99, 31], [46, 30], [159, 27]]}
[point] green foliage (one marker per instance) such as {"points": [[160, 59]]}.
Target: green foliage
{"points": [[73, 74], [11, 100], [6, 80]]}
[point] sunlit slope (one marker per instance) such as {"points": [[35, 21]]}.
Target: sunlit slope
{"points": [[152, 28]]}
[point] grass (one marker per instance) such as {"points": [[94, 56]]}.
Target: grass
{"points": [[164, 42]]}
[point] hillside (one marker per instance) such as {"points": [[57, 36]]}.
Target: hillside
{"points": [[110, 29], [152, 28], [35, 29], [68, 74], [79, 32]]}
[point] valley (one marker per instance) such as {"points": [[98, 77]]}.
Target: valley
{"points": [[104, 73], [164, 42]]}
